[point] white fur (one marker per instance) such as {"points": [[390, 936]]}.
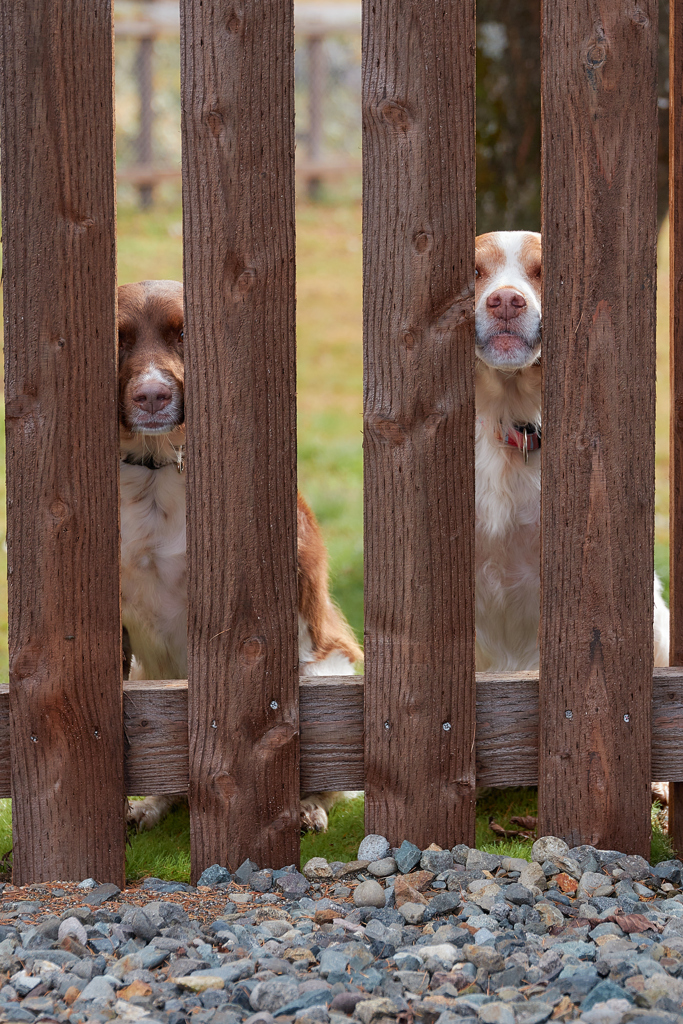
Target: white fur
{"points": [[508, 491]]}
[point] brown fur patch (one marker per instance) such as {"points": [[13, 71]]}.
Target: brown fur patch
{"points": [[530, 258], [489, 258]]}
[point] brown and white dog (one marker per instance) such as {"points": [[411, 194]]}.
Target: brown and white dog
{"points": [[153, 560], [507, 459]]}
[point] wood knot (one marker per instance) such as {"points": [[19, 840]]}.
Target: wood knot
{"points": [[596, 56], [387, 429], [395, 114], [409, 340], [253, 650], [423, 241], [640, 18], [246, 282], [59, 510], [215, 121], [234, 22]]}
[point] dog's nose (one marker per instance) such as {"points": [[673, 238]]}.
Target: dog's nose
{"points": [[506, 303], [152, 398]]}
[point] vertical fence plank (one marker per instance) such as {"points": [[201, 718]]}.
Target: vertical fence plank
{"points": [[418, 222], [599, 237], [58, 233], [238, 197], [676, 375]]}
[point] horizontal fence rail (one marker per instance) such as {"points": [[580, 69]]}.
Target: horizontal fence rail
{"points": [[331, 732]]}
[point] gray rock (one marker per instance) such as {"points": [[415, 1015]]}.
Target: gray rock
{"points": [[87, 883], [460, 853], [373, 847], [262, 881], [316, 997], [245, 871], [332, 961], [412, 913], [484, 956], [317, 867], [634, 867], [603, 991], [369, 894], [477, 860], [163, 887], [382, 868], [293, 884], [96, 897], [586, 857], [136, 922], [407, 857], [669, 871], [593, 884], [548, 848], [164, 914], [517, 894], [497, 1013], [72, 926], [444, 903], [272, 994], [436, 861], [215, 875], [98, 988]]}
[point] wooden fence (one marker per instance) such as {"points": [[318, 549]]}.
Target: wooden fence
{"points": [[422, 731]]}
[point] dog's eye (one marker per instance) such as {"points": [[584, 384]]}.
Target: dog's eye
{"points": [[476, 271], [181, 336]]}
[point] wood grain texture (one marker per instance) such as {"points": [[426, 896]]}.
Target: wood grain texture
{"points": [[331, 725], [237, 67], [58, 231], [155, 727], [676, 373], [156, 759], [418, 260], [599, 242]]}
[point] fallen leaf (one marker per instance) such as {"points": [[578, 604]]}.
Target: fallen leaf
{"points": [[563, 1008], [634, 923], [136, 988]]}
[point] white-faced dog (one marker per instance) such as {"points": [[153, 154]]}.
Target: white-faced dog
{"points": [[507, 456], [153, 561]]}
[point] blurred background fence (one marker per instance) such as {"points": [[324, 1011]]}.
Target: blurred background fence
{"points": [[328, 80], [148, 94]]}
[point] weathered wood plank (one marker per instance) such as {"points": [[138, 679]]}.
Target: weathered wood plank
{"points": [[155, 726], [599, 243], [676, 374], [58, 233], [418, 227], [237, 65], [331, 723]]}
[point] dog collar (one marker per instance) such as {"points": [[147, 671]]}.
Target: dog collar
{"points": [[525, 436], [149, 462]]}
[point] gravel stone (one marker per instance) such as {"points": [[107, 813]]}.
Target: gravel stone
{"points": [[373, 847], [477, 860], [407, 856], [436, 861], [548, 848], [383, 868], [369, 894], [215, 875]]}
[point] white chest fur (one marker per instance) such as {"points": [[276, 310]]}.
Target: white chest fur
{"points": [[153, 569], [507, 546]]}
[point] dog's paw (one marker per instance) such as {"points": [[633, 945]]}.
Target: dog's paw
{"points": [[313, 817], [145, 814]]}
